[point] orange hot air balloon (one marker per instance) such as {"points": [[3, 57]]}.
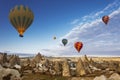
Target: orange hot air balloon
{"points": [[78, 46], [105, 19]]}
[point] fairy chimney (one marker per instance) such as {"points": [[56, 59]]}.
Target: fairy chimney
{"points": [[66, 69], [4, 57], [14, 60], [57, 67], [38, 58], [86, 64], [80, 70]]}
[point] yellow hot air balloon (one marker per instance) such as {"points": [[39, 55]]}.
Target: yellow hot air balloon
{"points": [[21, 18]]}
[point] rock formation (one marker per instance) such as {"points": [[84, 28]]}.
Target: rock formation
{"points": [[57, 68], [14, 60], [38, 58], [114, 76], [86, 64], [66, 69], [102, 77], [80, 70], [3, 58]]}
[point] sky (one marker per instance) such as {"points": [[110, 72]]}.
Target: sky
{"points": [[75, 20]]}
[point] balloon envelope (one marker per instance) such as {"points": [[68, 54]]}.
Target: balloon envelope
{"points": [[21, 18], [105, 19], [64, 41], [78, 46], [54, 37]]}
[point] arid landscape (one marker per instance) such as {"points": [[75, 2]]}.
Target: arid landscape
{"points": [[40, 67], [60, 40]]}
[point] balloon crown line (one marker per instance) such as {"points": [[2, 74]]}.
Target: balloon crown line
{"points": [[18, 7]]}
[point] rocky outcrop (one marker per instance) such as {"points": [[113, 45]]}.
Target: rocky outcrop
{"points": [[38, 58], [66, 69], [3, 58], [102, 77], [57, 68], [80, 70], [114, 76], [86, 64], [9, 73], [14, 60]]}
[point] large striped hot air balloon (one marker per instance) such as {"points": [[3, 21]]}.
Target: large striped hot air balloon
{"points": [[21, 18]]}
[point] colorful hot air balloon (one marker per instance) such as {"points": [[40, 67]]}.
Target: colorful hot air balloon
{"points": [[105, 19], [64, 41], [21, 18], [78, 46]]}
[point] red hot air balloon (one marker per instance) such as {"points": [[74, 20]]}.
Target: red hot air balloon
{"points": [[78, 46], [105, 19]]}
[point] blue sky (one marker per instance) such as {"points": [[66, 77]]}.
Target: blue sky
{"points": [[75, 20]]}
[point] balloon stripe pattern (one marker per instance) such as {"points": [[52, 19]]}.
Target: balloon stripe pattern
{"points": [[21, 18]]}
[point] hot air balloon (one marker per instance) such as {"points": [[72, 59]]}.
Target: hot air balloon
{"points": [[105, 19], [64, 41], [54, 37], [78, 46], [21, 18]]}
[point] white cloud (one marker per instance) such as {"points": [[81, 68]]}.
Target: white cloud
{"points": [[98, 38], [108, 9], [75, 21]]}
